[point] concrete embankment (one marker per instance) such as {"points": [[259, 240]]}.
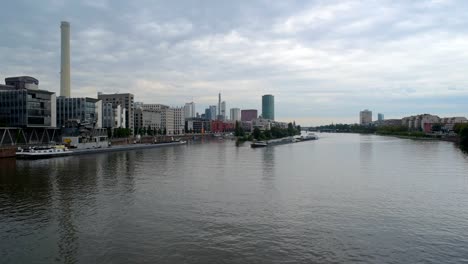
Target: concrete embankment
{"points": [[7, 152]]}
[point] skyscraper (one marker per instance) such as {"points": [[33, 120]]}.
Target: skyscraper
{"points": [[235, 114], [65, 60], [380, 117], [223, 111], [365, 117], [212, 112], [189, 110], [268, 107], [219, 104]]}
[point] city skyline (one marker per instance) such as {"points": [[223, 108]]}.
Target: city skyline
{"points": [[391, 61]]}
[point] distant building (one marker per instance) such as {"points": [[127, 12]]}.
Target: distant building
{"points": [[189, 110], [22, 104], [268, 107], [179, 120], [211, 114], [248, 114], [419, 122], [261, 123], [125, 100], [85, 110], [235, 114], [222, 115], [197, 125], [219, 126], [380, 117], [365, 117]]}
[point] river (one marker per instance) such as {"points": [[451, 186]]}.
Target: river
{"points": [[342, 198]]}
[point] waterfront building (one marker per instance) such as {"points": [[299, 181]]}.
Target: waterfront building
{"points": [[171, 118], [380, 117], [197, 125], [189, 110], [125, 100], [249, 114], [365, 117], [219, 126], [268, 107], [261, 123], [23, 104], [145, 119], [419, 122], [247, 126], [85, 110], [449, 123], [235, 114], [179, 120], [113, 117]]}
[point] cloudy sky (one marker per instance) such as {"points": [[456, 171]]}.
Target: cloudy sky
{"points": [[323, 60]]}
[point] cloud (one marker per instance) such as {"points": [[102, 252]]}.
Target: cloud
{"points": [[323, 60]]}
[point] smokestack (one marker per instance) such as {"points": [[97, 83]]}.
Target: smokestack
{"points": [[65, 60]]}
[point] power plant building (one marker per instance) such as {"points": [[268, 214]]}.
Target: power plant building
{"points": [[65, 60]]}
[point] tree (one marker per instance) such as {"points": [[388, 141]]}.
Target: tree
{"points": [[267, 134], [291, 130], [257, 133], [239, 131], [462, 131]]}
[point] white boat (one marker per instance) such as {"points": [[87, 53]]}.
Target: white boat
{"points": [[259, 144], [43, 152], [309, 136]]}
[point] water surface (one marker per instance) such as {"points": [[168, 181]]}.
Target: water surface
{"points": [[342, 198]]}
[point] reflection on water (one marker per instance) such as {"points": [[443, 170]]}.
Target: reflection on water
{"points": [[342, 198]]}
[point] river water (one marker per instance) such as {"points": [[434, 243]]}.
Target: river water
{"points": [[342, 198]]}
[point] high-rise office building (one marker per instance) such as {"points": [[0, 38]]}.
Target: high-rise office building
{"points": [[212, 112], [189, 110], [223, 111], [235, 114], [365, 117], [268, 107]]}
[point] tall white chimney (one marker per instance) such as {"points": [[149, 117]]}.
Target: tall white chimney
{"points": [[65, 60]]}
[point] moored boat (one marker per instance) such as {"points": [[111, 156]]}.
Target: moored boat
{"points": [[43, 152], [259, 144], [309, 136]]}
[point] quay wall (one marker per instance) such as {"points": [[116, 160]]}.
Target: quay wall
{"points": [[7, 152]]}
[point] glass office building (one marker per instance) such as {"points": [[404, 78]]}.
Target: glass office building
{"points": [[26, 107], [84, 110], [268, 107]]}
